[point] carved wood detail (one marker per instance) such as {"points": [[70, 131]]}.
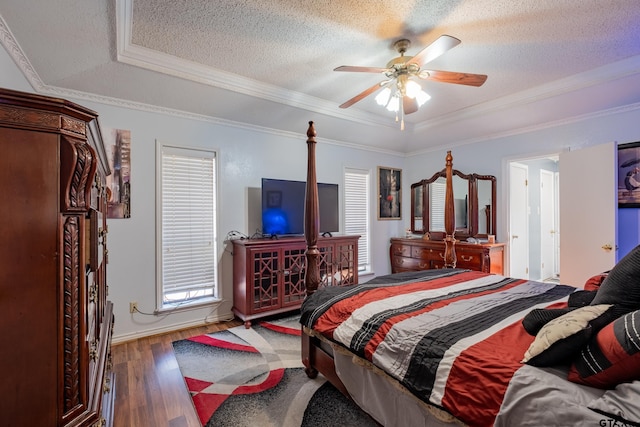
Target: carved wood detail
{"points": [[22, 116], [77, 162], [71, 312], [74, 126], [311, 216]]}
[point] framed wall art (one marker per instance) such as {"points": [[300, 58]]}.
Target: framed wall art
{"points": [[118, 146], [389, 193], [629, 175]]}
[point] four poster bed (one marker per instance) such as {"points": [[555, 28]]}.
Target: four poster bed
{"points": [[447, 346]]}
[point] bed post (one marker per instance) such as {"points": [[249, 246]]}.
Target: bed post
{"points": [[314, 358], [449, 217], [311, 216]]}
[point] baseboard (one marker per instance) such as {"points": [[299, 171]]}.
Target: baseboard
{"points": [[122, 338]]}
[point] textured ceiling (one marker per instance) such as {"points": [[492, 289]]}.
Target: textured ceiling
{"points": [[270, 64]]}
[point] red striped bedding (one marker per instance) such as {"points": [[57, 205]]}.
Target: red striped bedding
{"points": [[453, 338]]}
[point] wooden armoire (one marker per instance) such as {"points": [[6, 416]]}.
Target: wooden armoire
{"points": [[56, 321]]}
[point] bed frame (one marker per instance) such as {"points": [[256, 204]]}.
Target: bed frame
{"points": [[316, 357]]}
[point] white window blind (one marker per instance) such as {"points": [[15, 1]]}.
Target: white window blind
{"points": [[437, 195], [188, 225], [356, 207]]}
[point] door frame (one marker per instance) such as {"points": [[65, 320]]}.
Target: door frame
{"points": [[553, 175], [505, 197]]}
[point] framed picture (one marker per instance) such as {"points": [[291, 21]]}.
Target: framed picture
{"points": [[629, 175], [389, 193], [118, 146]]}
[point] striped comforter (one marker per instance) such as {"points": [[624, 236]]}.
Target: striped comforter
{"points": [[452, 337]]}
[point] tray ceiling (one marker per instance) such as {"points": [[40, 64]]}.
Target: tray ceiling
{"points": [[270, 64]]}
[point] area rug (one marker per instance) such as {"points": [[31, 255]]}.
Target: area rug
{"points": [[255, 377]]}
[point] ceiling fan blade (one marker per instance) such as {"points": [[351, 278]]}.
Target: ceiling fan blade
{"points": [[409, 105], [363, 94], [434, 50], [361, 69], [453, 77]]}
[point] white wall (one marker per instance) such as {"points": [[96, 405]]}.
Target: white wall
{"points": [[491, 157], [245, 156]]}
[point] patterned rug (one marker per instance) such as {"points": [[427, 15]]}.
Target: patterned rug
{"points": [[255, 377]]}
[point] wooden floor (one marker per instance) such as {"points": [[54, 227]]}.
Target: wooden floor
{"points": [[150, 391]]}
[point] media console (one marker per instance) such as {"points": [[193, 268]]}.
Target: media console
{"points": [[268, 274]]}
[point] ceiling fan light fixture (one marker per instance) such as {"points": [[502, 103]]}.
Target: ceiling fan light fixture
{"points": [[383, 97], [412, 89], [394, 103], [422, 97]]}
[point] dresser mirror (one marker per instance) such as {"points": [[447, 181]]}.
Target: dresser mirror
{"points": [[486, 188], [474, 201]]}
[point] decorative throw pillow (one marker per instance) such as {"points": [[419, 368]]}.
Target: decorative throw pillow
{"points": [[581, 298], [560, 338], [622, 284], [538, 317], [593, 283], [612, 356]]}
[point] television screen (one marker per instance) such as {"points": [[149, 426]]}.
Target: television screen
{"points": [[283, 207]]}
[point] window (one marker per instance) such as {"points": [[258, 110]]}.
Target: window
{"points": [[356, 212], [187, 259]]}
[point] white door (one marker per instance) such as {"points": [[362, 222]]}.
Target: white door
{"points": [[587, 212], [518, 221], [548, 230]]}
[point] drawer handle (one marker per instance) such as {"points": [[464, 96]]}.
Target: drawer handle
{"points": [[421, 265], [469, 258]]}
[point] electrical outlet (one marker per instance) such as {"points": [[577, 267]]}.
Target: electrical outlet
{"points": [[133, 307]]}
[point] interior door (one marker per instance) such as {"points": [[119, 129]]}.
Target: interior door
{"points": [[548, 230], [587, 212], [518, 221]]}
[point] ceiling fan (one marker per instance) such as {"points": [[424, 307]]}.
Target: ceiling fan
{"points": [[401, 93]]}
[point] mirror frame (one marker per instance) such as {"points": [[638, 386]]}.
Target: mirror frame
{"points": [[491, 220], [472, 229]]}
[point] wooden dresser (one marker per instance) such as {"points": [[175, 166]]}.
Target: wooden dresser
{"points": [[417, 254], [56, 320], [268, 274]]}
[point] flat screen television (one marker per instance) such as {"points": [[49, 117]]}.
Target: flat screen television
{"points": [[283, 207]]}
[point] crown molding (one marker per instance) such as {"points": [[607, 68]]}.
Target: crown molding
{"points": [[15, 51], [618, 70], [227, 81], [530, 129]]}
